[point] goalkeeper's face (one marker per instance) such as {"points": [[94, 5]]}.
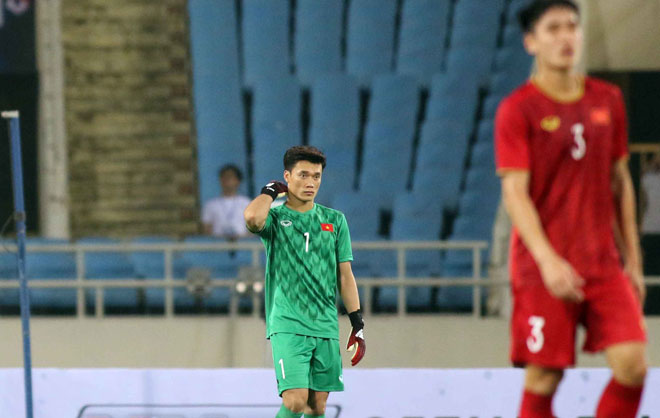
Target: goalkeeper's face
{"points": [[304, 180]]}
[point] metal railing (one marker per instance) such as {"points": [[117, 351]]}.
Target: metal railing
{"points": [[81, 283]]}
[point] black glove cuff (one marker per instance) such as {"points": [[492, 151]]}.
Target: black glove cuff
{"points": [[356, 320], [270, 191]]}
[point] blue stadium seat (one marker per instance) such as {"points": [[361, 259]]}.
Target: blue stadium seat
{"points": [[220, 265], [455, 85], [150, 265], [484, 179], [453, 96], [440, 160], [362, 215], [415, 217], [471, 62], [458, 263], [470, 11], [513, 58], [485, 130], [512, 11], [318, 38], [394, 99], [9, 298], [424, 26], [109, 265], [483, 155], [512, 37], [385, 172], [334, 128], [460, 109], [338, 176], [491, 104], [51, 266], [265, 40], [363, 218], [370, 38], [276, 126], [502, 83], [219, 121], [478, 34]]}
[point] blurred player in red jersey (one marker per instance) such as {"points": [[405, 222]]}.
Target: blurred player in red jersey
{"points": [[561, 152]]}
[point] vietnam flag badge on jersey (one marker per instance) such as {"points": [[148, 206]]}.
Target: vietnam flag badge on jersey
{"points": [[327, 227]]}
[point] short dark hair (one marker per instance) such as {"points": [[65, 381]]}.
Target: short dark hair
{"points": [[529, 15], [231, 167], [303, 153]]}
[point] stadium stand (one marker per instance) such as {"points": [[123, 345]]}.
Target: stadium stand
{"points": [[275, 126], [388, 140], [370, 38], [109, 265], [422, 38], [335, 127], [416, 217], [219, 119], [51, 266], [8, 297], [318, 38], [211, 265], [265, 40], [441, 156], [402, 100], [151, 266]]}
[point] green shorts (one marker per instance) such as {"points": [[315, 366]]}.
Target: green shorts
{"points": [[303, 362]]}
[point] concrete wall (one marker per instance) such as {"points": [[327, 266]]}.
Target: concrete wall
{"points": [[211, 342], [621, 35], [128, 117]]}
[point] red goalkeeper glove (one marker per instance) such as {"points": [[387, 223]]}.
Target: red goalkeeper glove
{"points": [[356, 339], [275, 189]]}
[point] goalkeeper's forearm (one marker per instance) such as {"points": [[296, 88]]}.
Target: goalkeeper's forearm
{"points": [[349, 291], [256, 212]]}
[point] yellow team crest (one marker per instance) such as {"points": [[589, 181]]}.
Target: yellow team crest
{"points": [[550, 123]]}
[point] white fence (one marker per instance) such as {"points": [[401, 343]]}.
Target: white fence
{"points": [[168, 282]]}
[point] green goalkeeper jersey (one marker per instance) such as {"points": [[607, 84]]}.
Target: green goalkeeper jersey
{"points": [[303, 252]]}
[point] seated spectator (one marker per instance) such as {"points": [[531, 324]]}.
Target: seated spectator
{"points": [[223, 215]]}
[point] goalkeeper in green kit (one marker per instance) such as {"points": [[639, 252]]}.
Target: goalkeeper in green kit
{"points": [[308, 250]]}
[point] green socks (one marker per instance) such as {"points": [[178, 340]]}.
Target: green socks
{"points": [[286, 413]]}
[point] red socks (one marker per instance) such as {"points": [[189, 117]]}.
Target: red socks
{"points": [[536, 406], [619, 401]]}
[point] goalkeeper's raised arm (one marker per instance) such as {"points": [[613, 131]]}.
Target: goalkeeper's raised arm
{"points": [[257, 211]]}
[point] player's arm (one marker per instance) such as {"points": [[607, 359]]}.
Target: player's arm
{"points": [[349, 291], [256, 212], [624, 195], [351, 299], [558, 275]]}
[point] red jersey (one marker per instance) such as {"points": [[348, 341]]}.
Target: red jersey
{"points": [[569, 150]]}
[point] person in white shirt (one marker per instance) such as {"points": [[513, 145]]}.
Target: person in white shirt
{"points": [[223, 216]]}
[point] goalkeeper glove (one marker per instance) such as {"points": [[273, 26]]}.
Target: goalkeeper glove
{"points": [[356, 339], [275, 189]]}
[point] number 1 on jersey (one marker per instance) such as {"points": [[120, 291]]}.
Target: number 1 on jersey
{"points": [[282, 365], [306, 234]]}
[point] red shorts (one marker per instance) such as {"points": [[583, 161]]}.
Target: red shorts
{"points": [[543, 328]]}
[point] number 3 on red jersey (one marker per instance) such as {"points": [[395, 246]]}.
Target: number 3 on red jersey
{"points": [[579, 144], [536, 339]]}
